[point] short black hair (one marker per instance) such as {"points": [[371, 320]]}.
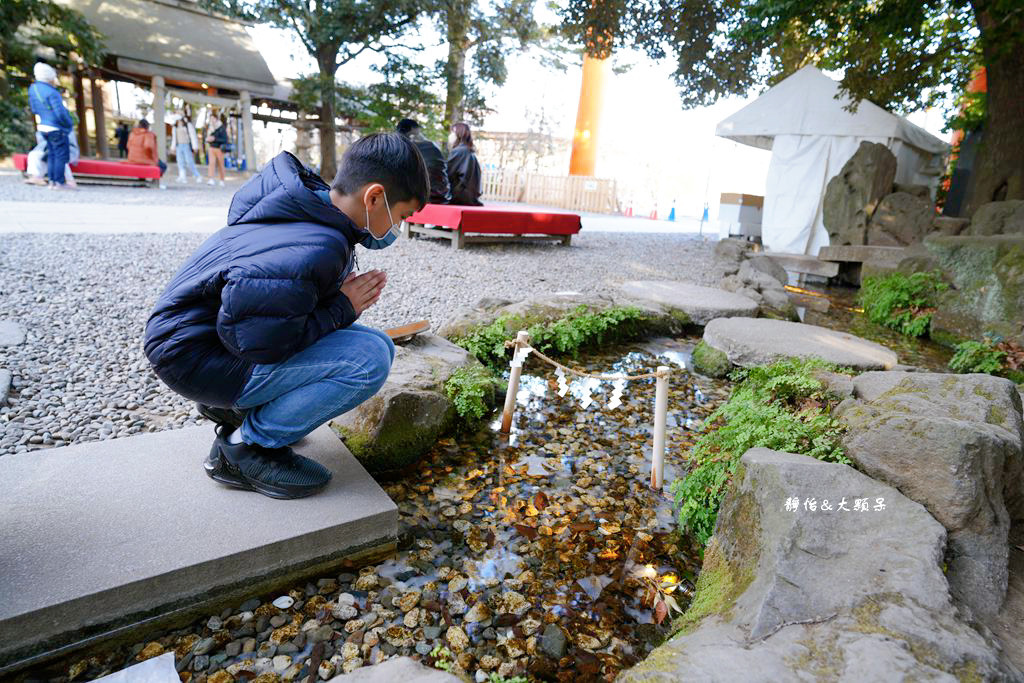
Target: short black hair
{"points": [[143, 123], [390, 159], [406, 126]]}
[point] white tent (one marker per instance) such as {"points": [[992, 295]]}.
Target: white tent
{"points": [[811, 136]]}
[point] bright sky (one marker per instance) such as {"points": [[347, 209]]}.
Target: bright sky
{"points": [[648, 142]]}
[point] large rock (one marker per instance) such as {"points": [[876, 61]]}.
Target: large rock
{"points": [[411, 411], [758, 341], [700, 304], [900, 219], [998, 218], [805, 595], [658, 319], [852, 196], [987, 294], [953, 444]]}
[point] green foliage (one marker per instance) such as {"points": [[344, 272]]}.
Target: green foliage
{"points": [[568, 334], [978, 356], [781, 406], [29, 28], [904, 303], [900, 54], [498, 678], [469, 389]]}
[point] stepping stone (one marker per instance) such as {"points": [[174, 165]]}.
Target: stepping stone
{"points": [[759, 341], [803, 263], [702, 304], [405, 669], [11, 333], [5, 385], [98, 537]]}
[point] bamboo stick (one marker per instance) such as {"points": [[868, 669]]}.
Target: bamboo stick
{"points": [[660, 414], [522, 339]]}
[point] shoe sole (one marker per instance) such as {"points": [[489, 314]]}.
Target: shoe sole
{"points": [[216, 418], [221, 471]]}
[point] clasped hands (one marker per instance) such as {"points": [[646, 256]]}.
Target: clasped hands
{"points": [[364, 289]]}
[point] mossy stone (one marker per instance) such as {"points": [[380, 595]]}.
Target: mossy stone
{"points": [[710, 361]]}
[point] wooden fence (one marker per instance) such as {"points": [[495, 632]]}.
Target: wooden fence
{"points": [[577, 193]]}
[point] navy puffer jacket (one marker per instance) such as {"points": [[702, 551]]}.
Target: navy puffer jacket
{"points": [[258, 291]]}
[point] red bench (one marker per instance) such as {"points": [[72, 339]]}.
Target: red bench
{"points": [[101, 169], [491, 224]]}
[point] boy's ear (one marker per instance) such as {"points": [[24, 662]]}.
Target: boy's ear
{"points": [[372, 193]]}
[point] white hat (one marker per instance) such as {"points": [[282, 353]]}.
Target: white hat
{"points": [[44, 72]]}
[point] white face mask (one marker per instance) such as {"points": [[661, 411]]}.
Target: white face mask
{"points": [[451, 139], [394, 228]]}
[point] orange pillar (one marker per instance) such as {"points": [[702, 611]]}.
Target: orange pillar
{"points": [[588, 116]]}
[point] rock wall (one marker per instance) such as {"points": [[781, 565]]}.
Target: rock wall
{"points": [[848, 582], [852, 196], [987, 293]]}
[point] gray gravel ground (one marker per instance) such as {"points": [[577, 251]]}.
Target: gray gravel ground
{"points": [[84, 299], [12, 188]]}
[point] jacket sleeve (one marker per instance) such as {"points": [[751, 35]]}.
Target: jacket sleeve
{"points": [[268, 319], [63, 115]]}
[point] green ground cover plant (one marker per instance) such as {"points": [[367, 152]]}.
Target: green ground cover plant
{"points": [[781, 406], [991, 357], [567, 335], [471, 389], [902, 302]]}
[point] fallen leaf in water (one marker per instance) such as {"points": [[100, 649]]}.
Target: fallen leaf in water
{"points": [[540, 501], [660, 612], [579, 527], [527, 531]]}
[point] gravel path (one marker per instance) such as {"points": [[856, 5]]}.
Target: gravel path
{"points": [[177, 194], [84, 300]]}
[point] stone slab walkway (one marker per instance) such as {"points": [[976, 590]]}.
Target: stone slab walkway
{"points": [[702, 304], [758, 341], [101, 536]]}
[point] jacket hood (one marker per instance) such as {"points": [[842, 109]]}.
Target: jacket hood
{"points": [[284, 192]]}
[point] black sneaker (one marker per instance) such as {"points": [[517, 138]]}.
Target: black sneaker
{"points": [[274, 472], [222, 416]]}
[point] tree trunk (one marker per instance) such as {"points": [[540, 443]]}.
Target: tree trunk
{"points": [[327, 60], [455, 71], [999, 167]]}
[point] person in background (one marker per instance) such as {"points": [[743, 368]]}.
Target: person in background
{"points": [[437, 167], [142, 149], [36, 166], [218, 140], [55, 122], [464, 173], [121, 133], [186, 142]]}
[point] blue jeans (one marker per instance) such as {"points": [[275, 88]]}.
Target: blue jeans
{"points": [[58, 152], [290, 399], [186, 162]]}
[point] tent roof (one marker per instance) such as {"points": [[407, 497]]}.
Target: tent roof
{"points": [[177, 39], [805, 104]]}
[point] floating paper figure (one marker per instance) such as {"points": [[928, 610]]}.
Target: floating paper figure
{"points": [[520, 356], [563, 386], [616, 400]]}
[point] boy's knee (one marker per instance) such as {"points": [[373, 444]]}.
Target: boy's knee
{"points": [[378, 362]]}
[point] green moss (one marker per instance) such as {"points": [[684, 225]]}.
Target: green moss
{"points": [[473, 391], [399, 438], [823, 659], [718, 586], [566, 333], [710, 361]]}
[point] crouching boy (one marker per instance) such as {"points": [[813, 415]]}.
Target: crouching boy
{"points": [[258, 326]]}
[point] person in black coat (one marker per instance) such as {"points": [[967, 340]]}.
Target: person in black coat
{"points": [[259, 325], [464, 173], [121, 133], [437, 167]]}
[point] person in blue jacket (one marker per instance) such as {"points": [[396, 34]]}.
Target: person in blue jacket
{"points": [[55, 121], [259, 325]]}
